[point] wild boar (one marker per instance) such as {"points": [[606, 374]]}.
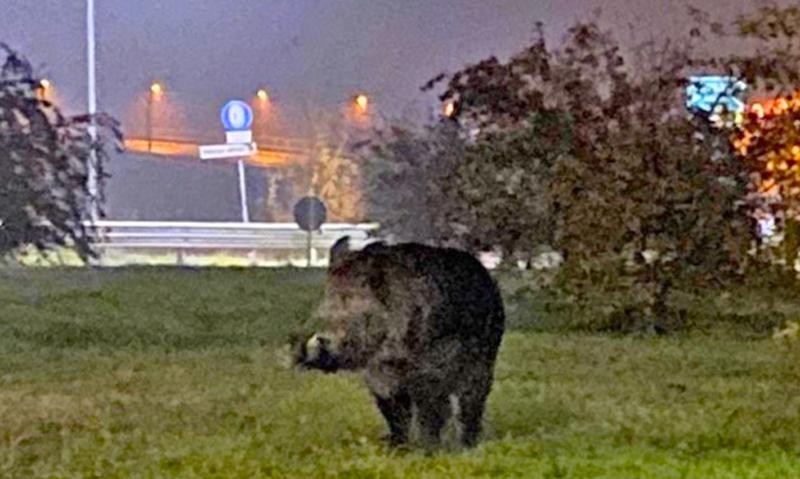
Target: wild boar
{"points": [[423, 323]]}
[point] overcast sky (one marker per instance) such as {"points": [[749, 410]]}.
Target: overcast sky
{"points": [[314, 51]]}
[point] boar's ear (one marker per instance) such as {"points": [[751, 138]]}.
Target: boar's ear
{"points": [[339, 250]]}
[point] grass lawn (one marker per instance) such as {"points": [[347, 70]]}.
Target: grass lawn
{"points": [[181, 373]]}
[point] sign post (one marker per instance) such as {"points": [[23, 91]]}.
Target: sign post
{"points": [[237, 117], [309, 214], [243, 193]]}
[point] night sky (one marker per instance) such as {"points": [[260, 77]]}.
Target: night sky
{"points": [[312, 55], [306, 52]]}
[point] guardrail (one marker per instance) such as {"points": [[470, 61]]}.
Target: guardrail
{"points": [[260, 242]]}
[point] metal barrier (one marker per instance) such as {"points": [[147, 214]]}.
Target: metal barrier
{"points": [[184, 238]]}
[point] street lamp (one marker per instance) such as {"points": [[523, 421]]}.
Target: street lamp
{"points": [[44, 88], [263, 106], [92, 181], [156, 91], [448, 109], [361, 102]]}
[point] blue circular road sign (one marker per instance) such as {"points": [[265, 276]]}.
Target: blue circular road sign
{"points": [[236, 115]]}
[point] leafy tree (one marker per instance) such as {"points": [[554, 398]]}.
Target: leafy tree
{"points": [[594, 152], [636, 192], [505, 179], [406, 173], [768, 138], [329, 171], [44, 199]]}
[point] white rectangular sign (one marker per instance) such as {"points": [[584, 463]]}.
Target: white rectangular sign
{"points": [[231, 150], [245, 136]]}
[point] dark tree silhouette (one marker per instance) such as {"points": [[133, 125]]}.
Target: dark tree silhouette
{"points": [[44, 155], [592, 151]]}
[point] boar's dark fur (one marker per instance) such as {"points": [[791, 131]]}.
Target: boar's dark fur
{"points": [[424, 323]]}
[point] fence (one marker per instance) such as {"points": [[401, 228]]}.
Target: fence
{"points": [[219, 243]]}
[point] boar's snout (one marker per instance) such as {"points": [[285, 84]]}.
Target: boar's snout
{"points": [[317, 353]]}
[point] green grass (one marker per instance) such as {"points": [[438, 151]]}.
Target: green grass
{"points": [[182, 373]]}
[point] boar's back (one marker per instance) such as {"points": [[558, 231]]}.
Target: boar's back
{"points": [[469, 305]]}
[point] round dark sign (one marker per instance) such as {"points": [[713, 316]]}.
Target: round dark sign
{"points": [[310, 213]]}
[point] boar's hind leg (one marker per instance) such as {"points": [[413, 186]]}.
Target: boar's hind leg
{"points": [[471, 404], [397, 411]]}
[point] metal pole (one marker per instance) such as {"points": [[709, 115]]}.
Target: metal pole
{"points": [[311, 221], [149, 121], [91, 182], [308, 249], [243, 193]]}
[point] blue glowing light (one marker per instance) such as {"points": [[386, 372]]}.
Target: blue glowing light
{"points": [[710, 92]]}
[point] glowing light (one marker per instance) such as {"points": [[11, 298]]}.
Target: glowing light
{"points": [[758, 109], [156, 89], [448, 109], [770, 107], [262, 95], [45, 84], [362, 102], [707, 91]]}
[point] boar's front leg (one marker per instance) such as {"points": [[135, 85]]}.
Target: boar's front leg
{"points": [[396, 409]]}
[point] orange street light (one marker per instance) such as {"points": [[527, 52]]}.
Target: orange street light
{"points": [[156, 89], [757, 109], [448, 109], [44, 89], [362, 102], [262, 95]]}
